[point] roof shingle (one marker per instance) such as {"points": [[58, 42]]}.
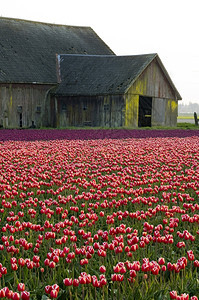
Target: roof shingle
{"points": [[99, 74], [28, 49]]}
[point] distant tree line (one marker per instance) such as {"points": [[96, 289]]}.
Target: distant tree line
{"points": [[188, 108]]}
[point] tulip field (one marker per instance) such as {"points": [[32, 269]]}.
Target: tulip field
{"points": [[99, 214]]}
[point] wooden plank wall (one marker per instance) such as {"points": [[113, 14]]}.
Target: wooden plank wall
{"points": [[25, 99], [98, 111]]}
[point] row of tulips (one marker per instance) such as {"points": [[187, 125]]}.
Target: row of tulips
{"points": [[90, 134], [99, 219]]}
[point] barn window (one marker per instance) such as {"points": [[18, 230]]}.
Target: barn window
{"points": [[38, 109], [19, 109], [106, 107], [63, 108], [85, 107]]}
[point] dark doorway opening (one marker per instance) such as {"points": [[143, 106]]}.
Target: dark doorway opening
{"points": [[20, 120], [145, 108]]}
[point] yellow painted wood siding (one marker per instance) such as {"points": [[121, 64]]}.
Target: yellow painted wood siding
{"points": [[152, 83], [171, 113], [131, 110]]}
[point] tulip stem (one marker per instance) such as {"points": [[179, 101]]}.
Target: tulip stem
{"points": [[15, 278], [182, 278], [70, 294], [191, 270], [20, 273]]}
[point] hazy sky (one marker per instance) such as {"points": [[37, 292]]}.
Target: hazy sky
{"points": [[169, 28]]}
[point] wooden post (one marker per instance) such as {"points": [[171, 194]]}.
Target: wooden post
{"points": [[196, 118]]}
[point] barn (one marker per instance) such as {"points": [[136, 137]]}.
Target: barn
{"points": [[28, 66], [113, 91], [59, 76]]}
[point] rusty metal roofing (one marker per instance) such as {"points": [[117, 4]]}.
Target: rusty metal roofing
{"points": [[28, 49]]}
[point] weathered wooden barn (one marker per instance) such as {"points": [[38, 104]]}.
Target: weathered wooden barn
{"points": [[113, 91], [28, 66], [58, 76]]}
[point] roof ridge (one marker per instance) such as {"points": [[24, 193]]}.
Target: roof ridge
{"points": [[40, 22], [106, 55], [28, 48]]}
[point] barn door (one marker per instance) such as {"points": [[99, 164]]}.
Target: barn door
{"points": [[20, 120], [86, 113], [19, 110], [145, 108]]}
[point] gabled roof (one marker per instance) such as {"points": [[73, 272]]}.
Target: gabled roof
{"points": [[94, 74], [102, 75], [28, 49]]}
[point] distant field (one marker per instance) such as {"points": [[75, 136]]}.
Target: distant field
{"points": [[186, 118]]}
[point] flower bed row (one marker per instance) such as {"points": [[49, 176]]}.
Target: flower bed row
{"points": [[90, 134]]}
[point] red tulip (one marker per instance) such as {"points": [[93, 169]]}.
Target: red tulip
{"points": [[120, 277], [21, 287], [68, 281], [82, 280], [185, 297], [75, 282], [133, 273], [190, 255], [173, 295], [8, 293], [3, 270], [14, 267], [52, 264], [2, 293], [15, 296], [161, 261], [102, 269], [53, 293]]}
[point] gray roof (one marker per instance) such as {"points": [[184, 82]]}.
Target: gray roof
{"points": [[99, 75], [102, 75], [28, 49]]}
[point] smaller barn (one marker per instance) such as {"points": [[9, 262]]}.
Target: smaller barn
{"points": [[113, 91]]}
